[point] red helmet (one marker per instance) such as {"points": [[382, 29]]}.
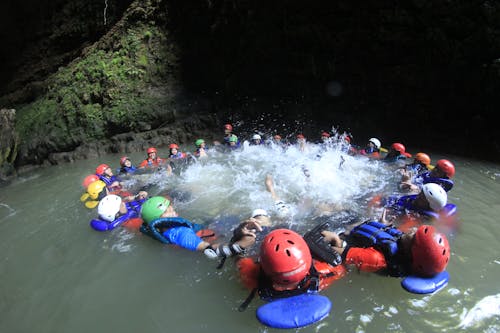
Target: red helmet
{"points": [[123, 159], [398, 147], [151, 150], [447, 167], [285, 257], [430, 251], [300, 136], [89, 179], [347, 138], [173, 145], [228, 127], [423, 158], [100, 169], [325, 134]]}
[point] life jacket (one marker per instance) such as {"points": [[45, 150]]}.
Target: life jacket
{"points": [[110, 180], [178, 155], [381, 237], [320, 276], [405, 203], [445, 183], [152, 163], [133, 212], [126, 170], [425, 177], [416, 168], [152, 229]]}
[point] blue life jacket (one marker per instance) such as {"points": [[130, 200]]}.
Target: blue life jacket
{"points": [[152, 229], [405, 203], [383, 238], [126, 170], [425, 178], [133, 211], [109, 180]]}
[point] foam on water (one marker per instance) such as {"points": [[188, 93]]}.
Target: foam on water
{"points": [[318, 181]]}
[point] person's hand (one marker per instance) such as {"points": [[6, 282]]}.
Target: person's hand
{"points": [[142, 195], [251, 227], [247, 228], [385, 219], [329, 236]]}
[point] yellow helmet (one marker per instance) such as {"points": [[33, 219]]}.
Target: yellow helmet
{"points": [[95, 188]]}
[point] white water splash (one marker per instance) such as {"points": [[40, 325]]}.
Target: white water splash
{"points": [[486, 308], [233, 182]]}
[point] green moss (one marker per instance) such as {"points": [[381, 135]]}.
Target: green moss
{"points": [[102, 93]]}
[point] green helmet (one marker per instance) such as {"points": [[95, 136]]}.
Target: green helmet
{"points": [[153, 208], [233, 138], [199, 142]]}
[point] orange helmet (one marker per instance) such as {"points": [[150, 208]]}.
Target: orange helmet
{"points": [[173, 145], [89, 179], [447, 167], [398, 147], [300, 136], [151, 150], [100, 169], [430, 251], [228, 127], [325, 134], [285, 257], [423, 158]]}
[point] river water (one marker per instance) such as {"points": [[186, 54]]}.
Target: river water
{"points": [[57, 274]]}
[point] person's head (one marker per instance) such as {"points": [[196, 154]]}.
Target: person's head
{"points": [[398, 147], [97, 190], [374, 143], [435, 196], [89, 179], [262, 216], [301, 138], [228, 128], [200, 143], [125, 162], [256, 138], [325, 136], [103, 169], [233, 140], [430, 251], [423, 159], [285, 258], [443, 169], [174, 148], [277, 138], [152, 153], [110, 207], [156, 207], [347, 138]]}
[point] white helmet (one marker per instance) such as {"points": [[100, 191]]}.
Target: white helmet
{"points": [[256, 137], [108, 207], [376, 142], [435, 195], [259, 212]]}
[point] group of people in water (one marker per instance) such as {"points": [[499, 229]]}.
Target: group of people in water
{"points": [[273, 259]]}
